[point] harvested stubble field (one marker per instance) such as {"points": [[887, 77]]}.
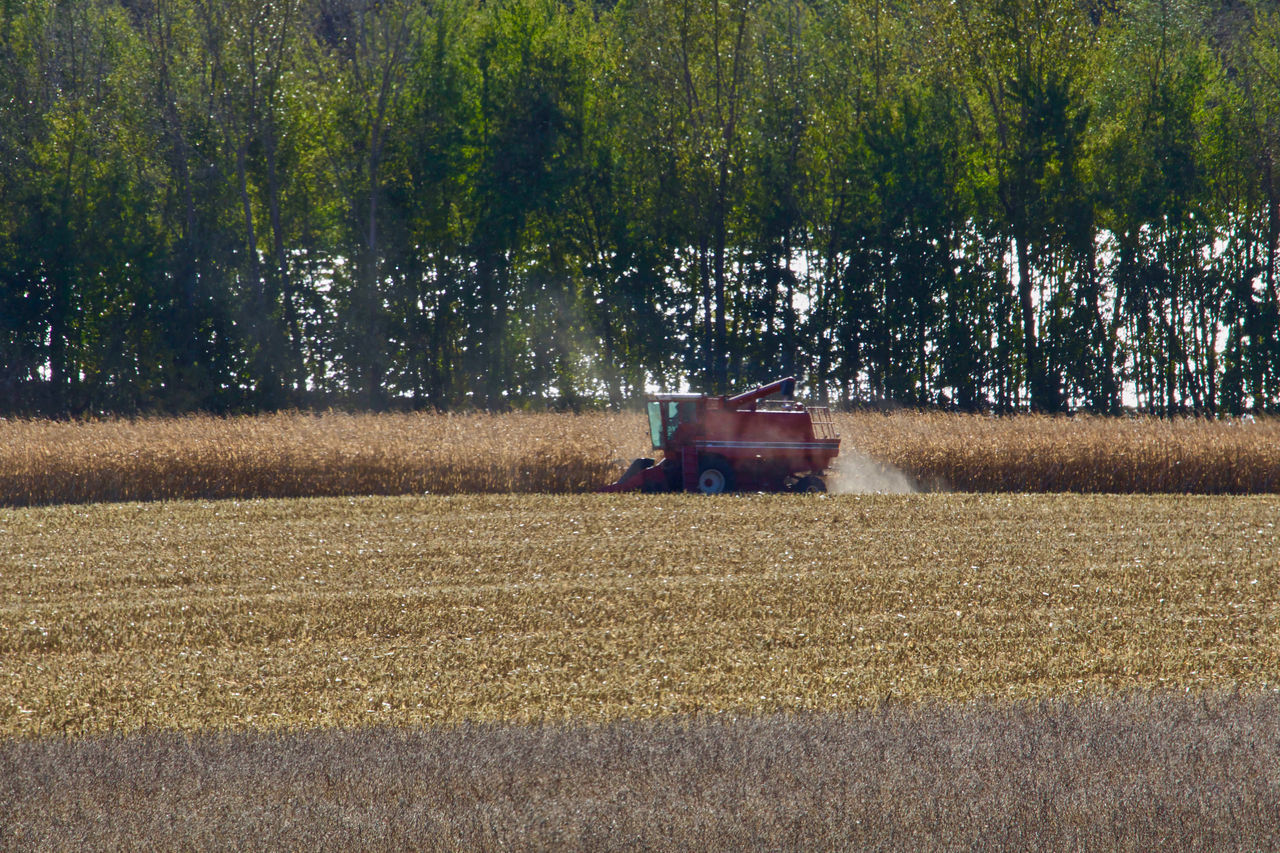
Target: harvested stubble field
{"points": [[300, 455], [289, 673], [433, 610]]}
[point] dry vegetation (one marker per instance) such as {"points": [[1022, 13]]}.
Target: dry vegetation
{"points": [[298, 455], [1139, 772], [429, 610], [501, 672], [973, 453]]}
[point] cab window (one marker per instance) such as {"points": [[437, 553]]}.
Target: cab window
{"points": [[665, 417], [682, 412]]}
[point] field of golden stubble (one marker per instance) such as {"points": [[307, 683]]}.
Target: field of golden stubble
{"points": [[417, 610]]}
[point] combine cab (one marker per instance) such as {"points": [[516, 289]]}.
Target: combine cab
{"points": [[714, 444]]}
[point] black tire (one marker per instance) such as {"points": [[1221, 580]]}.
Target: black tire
{"points": [[715, 476], [811, 484]]}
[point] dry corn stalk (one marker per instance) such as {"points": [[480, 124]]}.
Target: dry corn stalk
{"points": [[301, 455]]}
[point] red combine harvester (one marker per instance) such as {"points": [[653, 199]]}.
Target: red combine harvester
{"points": [[714, 444]]}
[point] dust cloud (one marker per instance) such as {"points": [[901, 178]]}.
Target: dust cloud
{"points": [[854, 473]]}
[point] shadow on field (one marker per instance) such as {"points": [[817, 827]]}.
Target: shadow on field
{"points": [[1142, 771]]}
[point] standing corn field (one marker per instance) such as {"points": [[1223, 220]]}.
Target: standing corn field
{"points": [[301, 455]]}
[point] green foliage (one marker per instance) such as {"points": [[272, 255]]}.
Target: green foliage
{"points": [[985, 203]]}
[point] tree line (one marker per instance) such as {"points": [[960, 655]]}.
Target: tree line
{"points": [[236, 205]]}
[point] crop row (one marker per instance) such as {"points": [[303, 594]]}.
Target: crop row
{"points": [[299, 455]]}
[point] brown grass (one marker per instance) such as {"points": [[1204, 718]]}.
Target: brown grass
{"points": [[1164, 771], [297, 455], [430, 610]]}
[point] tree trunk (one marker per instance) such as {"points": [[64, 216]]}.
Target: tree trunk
{"points": [[1041, 398], [719, 350]]}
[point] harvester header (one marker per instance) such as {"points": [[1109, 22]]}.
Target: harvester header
{"points": [[716, 443]]}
